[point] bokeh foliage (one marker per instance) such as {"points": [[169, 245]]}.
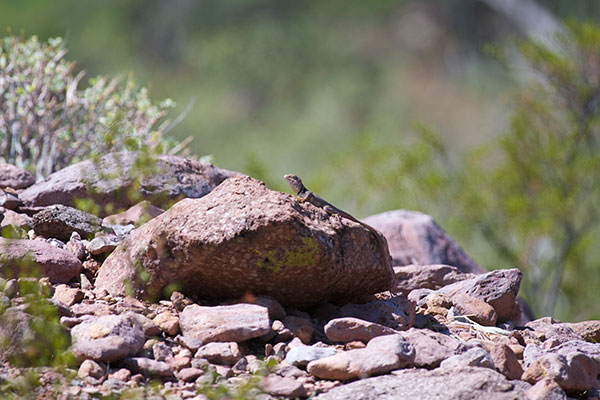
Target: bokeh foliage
{"points": [[529, 199]]}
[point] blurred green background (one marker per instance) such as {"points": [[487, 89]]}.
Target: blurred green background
{"points": [[326, 89]]}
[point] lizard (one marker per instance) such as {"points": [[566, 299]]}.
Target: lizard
{"points": [[306, 195]]}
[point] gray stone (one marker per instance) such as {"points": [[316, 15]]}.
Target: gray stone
{"points": [[147, 367], [224, 353], [60, 222], [107, 181], [300, 356], [107, 338], [475, 357], [234, 323], [431, 348], [103, 244], [397, 312], [468, 383], [382, 355]]}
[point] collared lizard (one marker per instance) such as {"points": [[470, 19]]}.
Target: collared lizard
{"points": [[306, 195]]}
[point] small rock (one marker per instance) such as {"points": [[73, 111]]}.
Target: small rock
{"points": [[276, 310], [224, 371], [9, 200], [11, 289], [397, 313], [96, 309], [432, 347], [302, 328], [148, 326], [107, 338], [300, 356], [546, 389], [90, 368], [69, 322], [16, 220], [498, 288], [504, 358], [280, 350], [220, 353], [240, 366], [167, 322], [234, 323], [76, 246], [350, 329], [382, 354], [474, 308], [411, 277], [574, 372], [354, 345], [136, 215], [180, 361], [123, 230], [14, 177], [180, 301], [549, 329], [589, 330], [122, 374], [67, 295], [466, 383], [189, 374], [60, 221], [161, 352], [147, 367], [276, 385], [103, 244], [475, 357]]}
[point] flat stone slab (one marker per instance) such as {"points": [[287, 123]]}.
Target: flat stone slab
{"points": [[234, 323]]}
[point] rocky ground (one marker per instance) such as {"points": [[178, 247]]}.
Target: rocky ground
{"points": [[182, 280]]}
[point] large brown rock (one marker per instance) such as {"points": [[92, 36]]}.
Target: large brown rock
{"points": [[24, 257], [415, 238], [14, 177], [244, 238], [111, 180]]}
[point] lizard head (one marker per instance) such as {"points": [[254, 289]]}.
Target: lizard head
{"points": [[294, 182]]}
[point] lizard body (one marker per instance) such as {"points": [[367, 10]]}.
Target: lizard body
{"points": [[306, 195]]}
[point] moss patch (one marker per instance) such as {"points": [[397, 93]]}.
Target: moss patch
{"points": [[302, 254]]}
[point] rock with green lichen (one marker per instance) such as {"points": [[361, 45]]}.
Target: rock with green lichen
{"points": [[244, 239]]}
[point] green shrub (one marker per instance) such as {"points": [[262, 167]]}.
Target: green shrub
{"points": [[48, 122]]}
